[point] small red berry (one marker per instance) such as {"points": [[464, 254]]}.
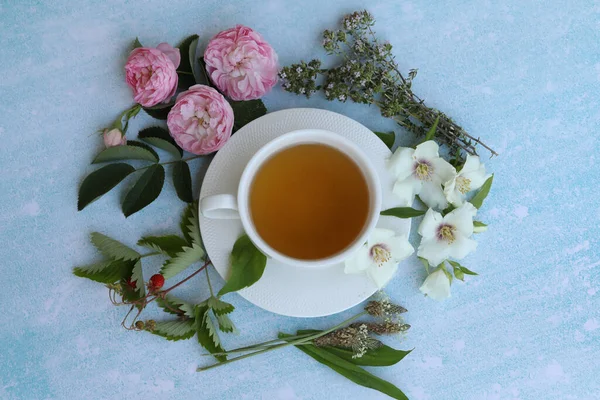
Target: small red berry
{"points": [[156, 282], [131, 283]]}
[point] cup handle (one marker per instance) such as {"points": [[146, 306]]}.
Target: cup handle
{"points": [[220, 206]]}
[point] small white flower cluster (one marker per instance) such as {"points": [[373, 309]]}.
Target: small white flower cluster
{"points": [[422, 172], [361, 337]]}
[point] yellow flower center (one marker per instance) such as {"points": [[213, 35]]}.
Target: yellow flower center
{"points": [[423, 170], [446, 233], [463, 184], [380, 254]]}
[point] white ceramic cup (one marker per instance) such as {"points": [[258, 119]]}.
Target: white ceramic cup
{"points": [[228, 206]]}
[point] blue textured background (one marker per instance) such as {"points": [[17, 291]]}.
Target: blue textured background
{"points": [[525, 76]]}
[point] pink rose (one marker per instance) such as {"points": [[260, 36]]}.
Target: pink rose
{"points": [[241, 64], [152, 73], [113, 137], [201, 120]]}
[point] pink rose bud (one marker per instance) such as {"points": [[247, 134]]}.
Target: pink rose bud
{"points": [[152, 74], [241, 64], [201, 120], [113, 137]]}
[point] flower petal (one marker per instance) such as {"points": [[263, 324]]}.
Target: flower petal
{"points": [[379, 236], [462, 218], [472, 163], [454, 196], [461, 247], [430, 223], [443, 169], [400, 248], [436, 286], [406, 190], [358, 262], [170, 52], [381, 275], [433, 251], [401, 162], [432, 194], [427, 150]]}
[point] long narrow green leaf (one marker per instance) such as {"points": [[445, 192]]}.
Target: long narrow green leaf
{"points": [[100, 182], [145, 190], [477, 200], [113, 248], [208, 337], [431, 132], [351, 371], [125, 152], [403, 212]]}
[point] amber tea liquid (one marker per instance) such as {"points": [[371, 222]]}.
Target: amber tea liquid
{"points": [[309, 201]]}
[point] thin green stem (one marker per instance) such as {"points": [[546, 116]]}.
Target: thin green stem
{"points": [[169, 162], [257, 346], [280, 346], [208, 281]]}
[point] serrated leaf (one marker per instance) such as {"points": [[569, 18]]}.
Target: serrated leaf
{"points": [[144, 146], [136, 43], [431, 133], [403, 212], [219, 307], [159, 133], [159, 111], [113, 248], [247, 265], [245, 112], [351, 371], [464, 270], [125, 152], [175, 330], [168, 244], [185, 69], [181, 261], [225, 324], [145, 190], [172, 305], [105, 272], [137, 277], [193, 226], [207, 334], [182, 180], [185, 220], [164, 145], [477, 200], [100, 182], [388, 138]]}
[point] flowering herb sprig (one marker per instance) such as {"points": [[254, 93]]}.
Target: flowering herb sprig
{"points": [[369, 74]]}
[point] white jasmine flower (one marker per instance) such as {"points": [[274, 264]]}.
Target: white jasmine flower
{"points": [[437, 285], [298, 70], [357, 74], [330, 86], [327, 93], [449, 236], [302, 90], [342, 97], [363, 82], [283, 75], [421, 171], [380, 256], [469, 178]]}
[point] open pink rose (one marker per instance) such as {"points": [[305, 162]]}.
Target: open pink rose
{"points": [[152, 73], [201, 120], [241, 64]]}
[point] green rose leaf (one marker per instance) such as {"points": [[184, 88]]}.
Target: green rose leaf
{"points": [[208, 336], [125, 152], [403, 212], [225, 323], [190, 226], [182, 180], [247, 265], [245, 112], [173, 305], [181, 261], [175, 330], [113, 248], [431, 133], [388, 138], [145, 190], [137, 276], [143, 146], [105, 272], [202, 74], [157, 136], [100, 182], [185, 70], [219, 307], [136, 43], [169, 245], [477, 200], [351, 371], [159, 111]]}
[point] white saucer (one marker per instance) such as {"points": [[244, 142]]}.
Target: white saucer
{"points": [[283, 289]]}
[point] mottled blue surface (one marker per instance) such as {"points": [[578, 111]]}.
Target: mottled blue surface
{"points": [[525, 76]]}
